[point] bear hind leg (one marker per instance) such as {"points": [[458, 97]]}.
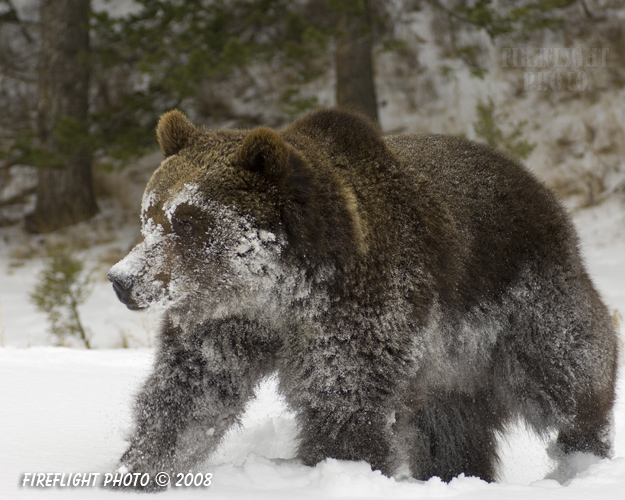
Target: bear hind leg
{"points": [[591, 429], [582, 440], [455, 434]]}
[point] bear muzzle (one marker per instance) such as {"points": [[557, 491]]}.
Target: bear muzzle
{"points": [[123, 288]]}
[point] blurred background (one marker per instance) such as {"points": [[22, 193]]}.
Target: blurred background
{"points": [[83, 82]]}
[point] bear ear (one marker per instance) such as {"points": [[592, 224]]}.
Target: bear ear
{"points": [[264, 152], [174, 131]]}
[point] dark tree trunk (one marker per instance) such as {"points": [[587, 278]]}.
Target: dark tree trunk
{"points": [[355, 88], [65, 191]]}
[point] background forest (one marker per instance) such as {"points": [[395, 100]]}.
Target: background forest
{"points": [[82, 83]]}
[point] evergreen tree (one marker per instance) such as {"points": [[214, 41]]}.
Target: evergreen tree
{"points": [[65, 189], [353, 55], [62, 287]]}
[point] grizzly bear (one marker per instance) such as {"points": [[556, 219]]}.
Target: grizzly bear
{"points": [[414, 294]]}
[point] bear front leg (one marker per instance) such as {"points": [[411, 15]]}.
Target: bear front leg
{"points": [[199, 386], [346, 385]]}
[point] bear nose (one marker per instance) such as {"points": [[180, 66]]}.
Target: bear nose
{"points": [[122, 287]]}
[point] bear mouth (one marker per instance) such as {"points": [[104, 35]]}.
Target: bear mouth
{"points": [[135, 307]]}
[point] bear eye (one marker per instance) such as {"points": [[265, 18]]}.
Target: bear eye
{"points": [[183, 228]]}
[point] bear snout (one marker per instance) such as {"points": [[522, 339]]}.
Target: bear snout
{"points": [[123, 288]]}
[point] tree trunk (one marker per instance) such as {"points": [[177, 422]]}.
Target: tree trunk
{"points": [[355, 88], [65, 192]]}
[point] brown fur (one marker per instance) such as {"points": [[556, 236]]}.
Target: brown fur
{"points": [[414, 294]]}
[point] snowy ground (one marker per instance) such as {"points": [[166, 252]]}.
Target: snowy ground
{"points": [[67, 410]]}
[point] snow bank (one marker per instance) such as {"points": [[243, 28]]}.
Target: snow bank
{"points": [[68, 410]]}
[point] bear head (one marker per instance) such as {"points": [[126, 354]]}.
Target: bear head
{"points": [[212, 228]]}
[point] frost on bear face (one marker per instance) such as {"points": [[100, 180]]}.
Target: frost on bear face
{"points": [[196, 250]]}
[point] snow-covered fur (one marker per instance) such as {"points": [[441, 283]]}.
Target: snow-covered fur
{"points": [[414, 295]]}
